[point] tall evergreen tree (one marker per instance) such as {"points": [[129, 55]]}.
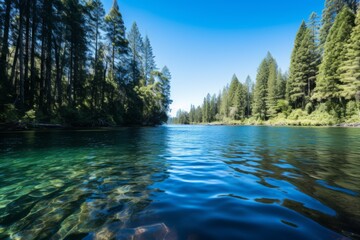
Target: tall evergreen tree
{"points": [[136, 54], [328, 81], [260, 109], [304, 74], [350, 77], [78, 47], [232, 90], [332, 8], [248, 102], [5, 83], [294, 68], [225, 103], [165, 91], [281, 85], [95, 24], [115, 33], [148, 60], [240, 102], [271, 100]]}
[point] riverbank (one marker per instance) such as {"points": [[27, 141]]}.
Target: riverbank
{"points": [[21, 126], [271, 123]]}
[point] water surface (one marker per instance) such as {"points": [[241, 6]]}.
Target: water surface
{"points": [[181, 182]]}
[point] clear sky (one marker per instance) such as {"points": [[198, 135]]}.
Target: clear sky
{"points": [[204, 42]]}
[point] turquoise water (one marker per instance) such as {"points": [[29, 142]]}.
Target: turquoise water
{"points": [[181, 182]]}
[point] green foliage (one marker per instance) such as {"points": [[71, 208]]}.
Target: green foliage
{"points": [[182, 117], [304, 66], [294, 64], [283, 107], [350, 67], [29, 116], [74, 65], [296, 114], [8, 113], [328, 81], [261, 92], [271, 100], [323, 67]]}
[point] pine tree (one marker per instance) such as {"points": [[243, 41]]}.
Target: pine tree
{"points": [[231, 97], [248, 102], [115, 33], [192, 114], [225, 103], [78, 46], [328, 80], [5, 83], [260, 93], [206, 111], [350, 77], [271, 101], [165, 90], [294, 69], [95, 24], [240, 102], [148, 60], [232, 89], [331, 10], [280, 85], [136, 53], [304, 74]]}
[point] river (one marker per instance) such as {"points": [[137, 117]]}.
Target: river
{"points": [[181, 182]]}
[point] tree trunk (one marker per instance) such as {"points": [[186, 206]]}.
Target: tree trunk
{"points": [[27, 47], [13, 68], [21, 57], [58, 87], [48, 63], [5, 45], [32, 57]]}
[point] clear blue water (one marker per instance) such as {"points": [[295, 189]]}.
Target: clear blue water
{"points": [[181, 182]]}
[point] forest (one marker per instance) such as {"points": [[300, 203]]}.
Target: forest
{"points": [[68, 62], [321, 87]]}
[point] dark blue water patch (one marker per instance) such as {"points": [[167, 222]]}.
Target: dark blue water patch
{"points": [[337, 188]]}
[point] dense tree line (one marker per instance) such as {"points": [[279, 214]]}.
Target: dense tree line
{"points": [[323, 79], [66, 61]]}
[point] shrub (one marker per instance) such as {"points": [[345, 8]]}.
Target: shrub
{"points": [[296, 114], [8, 113]]}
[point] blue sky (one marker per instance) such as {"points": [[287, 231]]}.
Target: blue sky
{"points": [[204, 42]]}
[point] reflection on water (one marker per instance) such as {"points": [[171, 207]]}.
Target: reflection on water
{"points": [[181, 182]]}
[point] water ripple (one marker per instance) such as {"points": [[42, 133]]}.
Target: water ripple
{"points": [[181, 182]]}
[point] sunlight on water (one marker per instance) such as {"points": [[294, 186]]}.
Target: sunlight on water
{"points": [[181, 182]]}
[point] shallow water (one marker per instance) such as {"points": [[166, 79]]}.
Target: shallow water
{"points": [[181, 182]]}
